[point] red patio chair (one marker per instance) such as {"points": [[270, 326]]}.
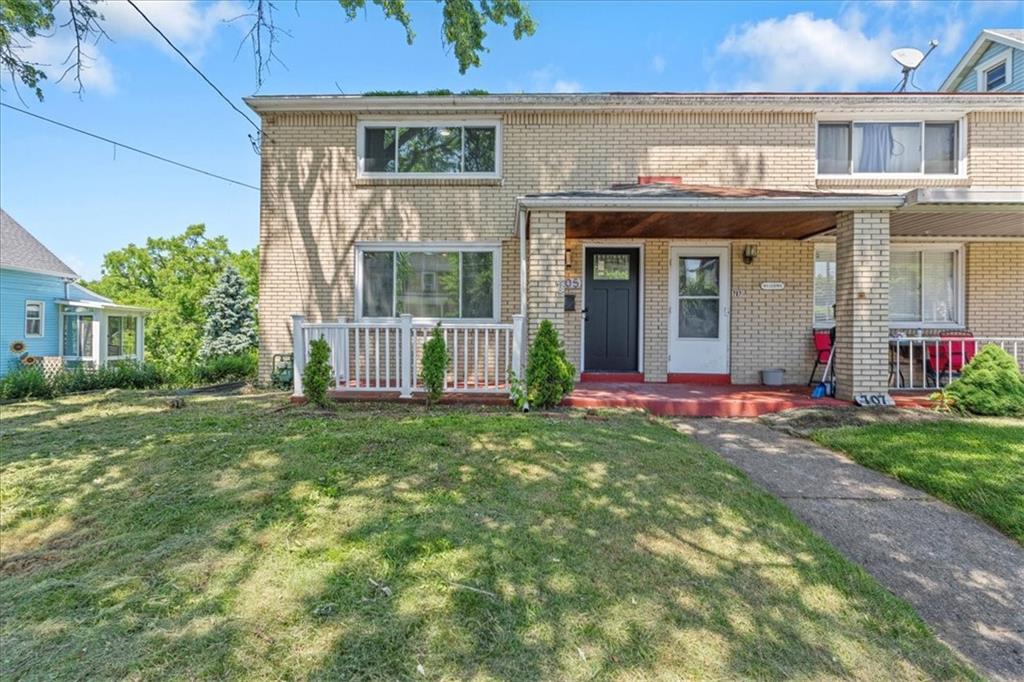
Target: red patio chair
{"points": [[822, 348], [961, 350], [951, 354]]}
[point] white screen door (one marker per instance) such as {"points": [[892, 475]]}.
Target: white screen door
{"points": [[699, 310]]}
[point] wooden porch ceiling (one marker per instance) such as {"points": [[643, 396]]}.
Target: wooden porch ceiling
{"points": [[719, 225]]}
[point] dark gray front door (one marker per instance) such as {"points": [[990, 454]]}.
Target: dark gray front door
{"points": [[612, 310]]}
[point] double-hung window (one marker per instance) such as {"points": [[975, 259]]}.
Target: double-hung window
{"points": [[34, 318], [888, 147], [926, 285], [995, 73], [426, 281], [429, 148]]}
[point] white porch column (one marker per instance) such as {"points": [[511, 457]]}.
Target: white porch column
{"points": [[298, 354], [140, 332], [862, 304], [99, 339], [546, 271]]}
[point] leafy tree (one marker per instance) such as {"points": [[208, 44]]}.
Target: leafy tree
{"points": [[230, 326], [463, 30], [171, 276]]}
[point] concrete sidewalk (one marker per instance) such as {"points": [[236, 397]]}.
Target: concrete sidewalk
{"points": [[965, 579]]}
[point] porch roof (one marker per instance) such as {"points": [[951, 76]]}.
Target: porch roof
{"points": [[678, 197], [672, 210]]}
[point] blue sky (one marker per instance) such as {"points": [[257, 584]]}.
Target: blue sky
{"points": [[83, 198]]}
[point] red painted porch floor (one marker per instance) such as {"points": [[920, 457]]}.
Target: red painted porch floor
{"points": [[703, 400]]}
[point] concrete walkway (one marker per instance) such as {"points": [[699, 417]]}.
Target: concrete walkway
{"points": [[964, 578]]}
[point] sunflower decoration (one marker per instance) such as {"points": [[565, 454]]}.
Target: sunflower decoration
{"points": [[29, 360], [17, 347]]}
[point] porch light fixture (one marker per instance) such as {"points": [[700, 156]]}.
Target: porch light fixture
{"points": [[749, 253], [568, 258]]}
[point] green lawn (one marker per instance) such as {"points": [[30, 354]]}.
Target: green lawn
{"points": [[976, 464], [243, 537]]}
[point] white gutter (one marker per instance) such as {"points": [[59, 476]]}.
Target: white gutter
{"points": [[753, 204], [98, 305], [1005, 196]]}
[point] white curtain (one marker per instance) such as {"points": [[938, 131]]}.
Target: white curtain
{"points": [[887, 147]]}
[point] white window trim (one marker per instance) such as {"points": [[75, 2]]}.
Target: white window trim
{"points": [[960, 278], [961, 132], [990, 64], [493, 248], [831, 248], [42, 319], [365, 123], [135, 328]]}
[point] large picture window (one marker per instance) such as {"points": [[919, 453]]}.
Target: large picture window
{"points": [[411, 148], [442, 282], [121, 336], [888, 147], [925, 286]]}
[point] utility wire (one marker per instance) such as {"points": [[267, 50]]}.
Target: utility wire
{"points": [[131, 148], [194, 67]]}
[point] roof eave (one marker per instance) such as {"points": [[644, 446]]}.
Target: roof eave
{"points": [[70, 275], [770, 102], [99, 305]]}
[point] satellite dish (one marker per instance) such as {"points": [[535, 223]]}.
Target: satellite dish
{"points": [[908, 57]]}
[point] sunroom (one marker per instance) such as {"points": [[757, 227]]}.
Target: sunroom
{"points": [[95, 331]]}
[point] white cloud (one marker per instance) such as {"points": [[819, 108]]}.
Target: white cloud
{"points": [[548, 79], [658, 64], [188, 23], [801, 52], [52, 56]]}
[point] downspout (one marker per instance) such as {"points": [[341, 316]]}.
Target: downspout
{"points": [[521, 214]]}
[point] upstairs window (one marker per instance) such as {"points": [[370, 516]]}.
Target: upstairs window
{"points": [[33, 318], [878, 148], [404, 148], [995, 77]]}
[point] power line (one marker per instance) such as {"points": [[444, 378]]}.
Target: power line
{"points": [[131, 148], [195, 68]]}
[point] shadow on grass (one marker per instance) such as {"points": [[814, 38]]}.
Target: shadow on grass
{"points": [[229, 538]]}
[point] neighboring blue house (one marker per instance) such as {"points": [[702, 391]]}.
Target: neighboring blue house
{"points": [[993, 63], [48, 319]]}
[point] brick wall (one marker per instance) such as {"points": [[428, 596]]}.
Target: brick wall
{"points": [[996, 148], [995, 288], [313, 208], [772, 328], [862, 303]]}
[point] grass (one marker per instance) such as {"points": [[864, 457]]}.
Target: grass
{"points": [[242, 537], [974, 464]]}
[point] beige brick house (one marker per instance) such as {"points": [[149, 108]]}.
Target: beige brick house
{"points": [[690, 237]]}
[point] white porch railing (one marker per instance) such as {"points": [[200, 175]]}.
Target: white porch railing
{"points": [[386, 355], [919, 363]]}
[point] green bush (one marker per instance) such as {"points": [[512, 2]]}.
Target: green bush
{"points": [[990, 384], [549, 375], [222, 368], [435, 365], [25, 382], [316, 377], [30, 382]]}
